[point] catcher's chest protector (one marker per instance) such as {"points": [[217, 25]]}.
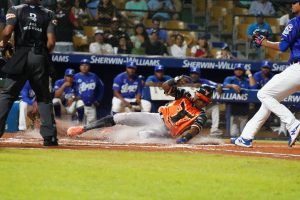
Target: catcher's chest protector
{"points": [[179, 115]]}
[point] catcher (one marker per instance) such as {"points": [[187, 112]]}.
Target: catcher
{"points": [[182, 118]]}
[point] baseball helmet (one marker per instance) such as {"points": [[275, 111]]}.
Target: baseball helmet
{"points": [[85, 61], [205, 93]]}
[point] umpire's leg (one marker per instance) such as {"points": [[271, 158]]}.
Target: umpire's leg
{"points": [[10, 93], [39, 81]]}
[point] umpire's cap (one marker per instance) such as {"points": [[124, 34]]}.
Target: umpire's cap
{"points": [[85, 61], [69, 72], [195, 70], [131, 64], [205, 93], [239, 66], [265, 64]]}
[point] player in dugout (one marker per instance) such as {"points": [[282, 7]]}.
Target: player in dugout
{"points": [[182, 118]]}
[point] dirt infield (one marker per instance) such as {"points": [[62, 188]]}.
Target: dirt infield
{"points": [[213, 146]]}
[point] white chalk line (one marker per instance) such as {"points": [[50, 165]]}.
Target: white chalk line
{"points": [[103, 144]]}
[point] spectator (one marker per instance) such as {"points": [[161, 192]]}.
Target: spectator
{"points": [[179, 48], [92, 6], [99, 47], [157, 80], [136, 16], [28, 106], [160, 9], [124, 47], [225, 53], [201, 49], [214, 108], [177, 8], [260, 25], [80, 13], [90, 89], [162, 34], [112, 36], [106, 12], [65, 100], [50, 4], [139, 37], [239, 111], [263, 7], [64, 28], [127, 89], [284, 19], [154, 46]]}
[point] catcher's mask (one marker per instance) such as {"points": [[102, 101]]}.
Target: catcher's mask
{"points": [[205, 93]]}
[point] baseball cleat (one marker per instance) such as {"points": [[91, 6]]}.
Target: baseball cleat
{"points": [[293, 135], [241, 142], [75, 130]]}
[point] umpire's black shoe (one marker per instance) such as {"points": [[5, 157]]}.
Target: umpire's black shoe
{"points": [[50, 141]]}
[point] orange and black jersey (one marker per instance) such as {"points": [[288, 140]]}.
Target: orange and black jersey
{"points": [[180, 115]]}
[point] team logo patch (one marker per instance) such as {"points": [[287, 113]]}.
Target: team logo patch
{"points": [[33, 17], [54, 22], [10, 16], [287, 29]]}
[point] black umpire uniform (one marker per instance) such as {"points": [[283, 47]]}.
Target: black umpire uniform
{"points": [[31, 23]]}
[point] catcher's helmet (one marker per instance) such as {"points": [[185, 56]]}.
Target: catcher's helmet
{"points": [[205, 93]]}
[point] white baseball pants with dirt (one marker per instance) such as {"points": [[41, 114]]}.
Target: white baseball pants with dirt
{"points": [[214, 112], [117, 105], [152, 123], [279, 87], [23, 110]]}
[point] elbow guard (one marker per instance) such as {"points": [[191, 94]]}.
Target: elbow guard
{"points": [[283, 46]]}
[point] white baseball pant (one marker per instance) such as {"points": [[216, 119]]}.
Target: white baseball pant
{"points": [[90, 113], [279, 87], [24, 109], [214, 111], [152, 123], [68, 109], [117, 105]]}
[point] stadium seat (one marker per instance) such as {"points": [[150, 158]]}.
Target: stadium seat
{"points": [[89, 31], [174, 24], [239, 11], [217, 13], [80, 43], [272, 21], [249, 19], [120, 4], [275, 29], [228, 4], [271, 54], [283, 56]]}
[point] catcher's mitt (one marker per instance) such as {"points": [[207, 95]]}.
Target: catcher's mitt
{"points": [[7, 51]]}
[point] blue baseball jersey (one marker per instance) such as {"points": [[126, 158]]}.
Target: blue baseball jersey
{"points": [[260, 80], [89, 88], [243, 82], [27, 94], [291, 36], [69, 92], [154, 79], [128, 88]]}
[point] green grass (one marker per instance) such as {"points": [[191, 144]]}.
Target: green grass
{"points": [[70, 174]]}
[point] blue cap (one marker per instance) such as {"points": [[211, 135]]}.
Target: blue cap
{"points": [[239, 66], [266, 64], [141, 77], [131, 64], [85, 61], [159, 68], [69, 72], [195, 70]]}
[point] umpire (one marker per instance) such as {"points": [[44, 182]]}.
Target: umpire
{"points": [[33, 26]]}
